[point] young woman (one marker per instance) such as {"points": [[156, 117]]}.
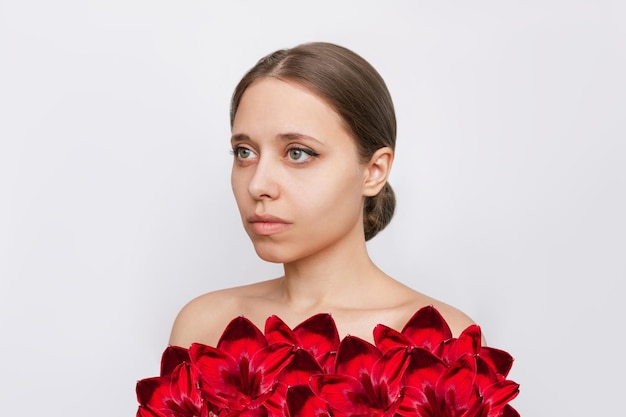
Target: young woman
{"points": [[313, 136]]}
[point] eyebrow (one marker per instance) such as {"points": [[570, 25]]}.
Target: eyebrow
{"points": [[240, 137]]}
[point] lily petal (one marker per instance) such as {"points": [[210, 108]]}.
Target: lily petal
{"points": [[172, 357], [468, 342], [296, 373], [498, 359], [318, 334], [388, 373], [300, 369], [456, 385], [427, 328], [342, 393], [424, 370], [386, 338], [277, 331], [175, 396], [220, 376], [509, 411], [356, 357], [241, 339], [146, 412], [267, 364], [497, 396], [301, 401]]}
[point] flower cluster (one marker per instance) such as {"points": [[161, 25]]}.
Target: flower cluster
{"points": [[307, 371]]}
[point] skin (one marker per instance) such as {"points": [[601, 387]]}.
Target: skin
{"points": [[300, 188]]}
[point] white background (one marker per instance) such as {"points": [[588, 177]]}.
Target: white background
{"points": [[116, 209]]}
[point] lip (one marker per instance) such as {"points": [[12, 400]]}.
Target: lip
{"points": [[267, 224]]}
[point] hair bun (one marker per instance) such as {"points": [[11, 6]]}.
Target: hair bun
{"points": [[378, 211]]}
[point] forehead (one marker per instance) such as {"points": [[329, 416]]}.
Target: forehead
{"points": [[272, 106]]}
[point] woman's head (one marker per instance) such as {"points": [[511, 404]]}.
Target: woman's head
{"points": [[356, 92]]}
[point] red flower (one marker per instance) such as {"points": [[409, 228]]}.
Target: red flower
{"points": [[317, 341], [421, 371], [172, 395], [470, 342], [240, 374], [172, 357], [469, 387], [427, 329], [293, 376], [366, 382], [301, 401], [317, 335]]}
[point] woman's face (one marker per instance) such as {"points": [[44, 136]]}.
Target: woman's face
{"points": [[296, 173]]}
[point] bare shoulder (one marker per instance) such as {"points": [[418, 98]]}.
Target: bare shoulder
{"points": [[457, 320], [204, 318]]}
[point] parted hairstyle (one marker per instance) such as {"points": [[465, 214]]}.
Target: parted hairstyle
{"points": [[355, 90]]}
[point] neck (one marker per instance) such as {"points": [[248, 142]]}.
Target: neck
{"points": [[335, 277]]}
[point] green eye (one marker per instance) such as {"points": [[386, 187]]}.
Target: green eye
{"points": [[300, 154], [243, 153], [296, 154]]}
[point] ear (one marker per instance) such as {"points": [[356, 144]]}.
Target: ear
{"points": [[377, 171]]}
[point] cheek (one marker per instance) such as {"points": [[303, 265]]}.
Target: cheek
{"points": [[333, 191], [239, 185]]}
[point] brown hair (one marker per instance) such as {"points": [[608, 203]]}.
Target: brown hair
{"points": [[355, 90]]}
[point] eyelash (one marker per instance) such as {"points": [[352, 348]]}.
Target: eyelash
{"points": [[235, 151], [307, 151], [310, 152]]}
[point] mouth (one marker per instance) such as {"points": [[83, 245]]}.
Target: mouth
{"points": [[266, 225]]}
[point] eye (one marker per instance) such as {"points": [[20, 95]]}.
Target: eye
{"points": [[300, 154], [243, 153]]}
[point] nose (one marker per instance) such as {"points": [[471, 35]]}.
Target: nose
{"points": [[263, 183]]}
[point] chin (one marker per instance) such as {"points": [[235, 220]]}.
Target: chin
{"points": [[276, 253], [272, 257]]}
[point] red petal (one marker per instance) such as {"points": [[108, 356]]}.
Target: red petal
{"points": [[241, 339], [356, 357], [300, 370], [252, 412], [498, 395], [171, 397], [424, 370], [387, 338], [427, 328], [276, 331], [267, 364], [485, 375], [499, 360], [318, 334], [328, 362], [472, 338], [150, 388], [418, 403], [456, 385], [145, 412], [172, 357], [342, 393], [301, 401], [468, 342], [387, 374], [509, 411], [184, 388], [220, 376], [275, 404]]}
